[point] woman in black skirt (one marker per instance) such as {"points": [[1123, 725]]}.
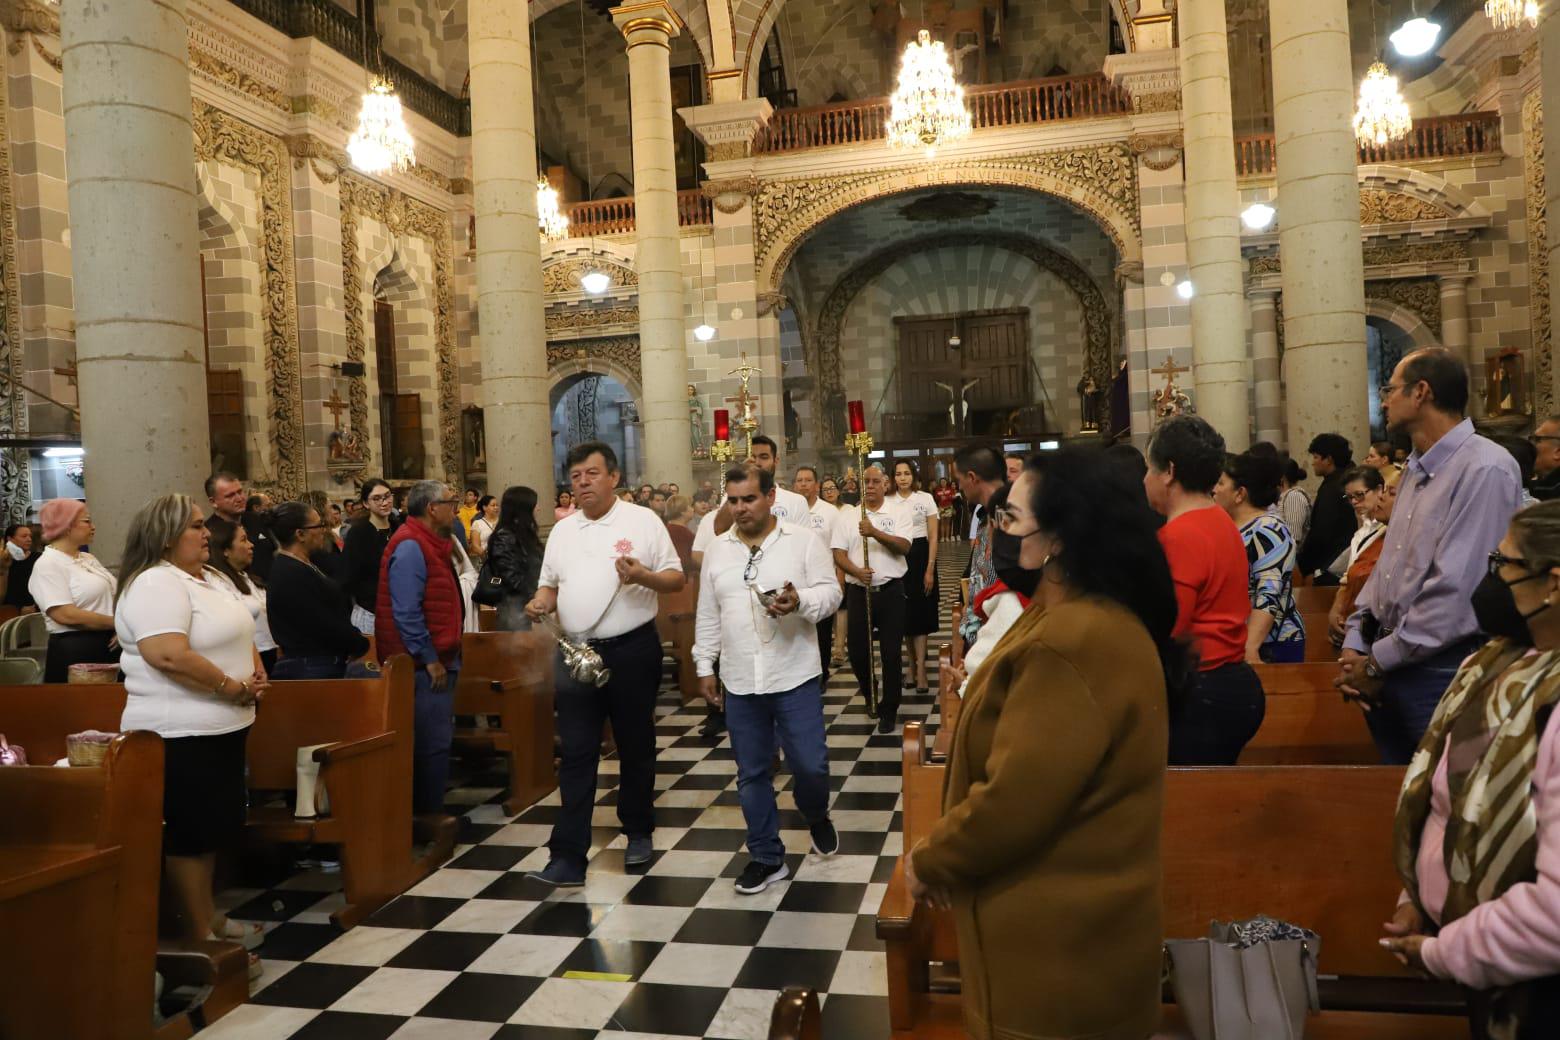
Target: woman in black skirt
{"points": [[73, 590], [920, 510]]}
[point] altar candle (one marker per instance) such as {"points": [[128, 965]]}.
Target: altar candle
{"points": [[858, 419], [722, 424]]}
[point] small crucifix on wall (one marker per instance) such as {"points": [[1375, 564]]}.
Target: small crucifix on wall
{"points": [[335, 406]]}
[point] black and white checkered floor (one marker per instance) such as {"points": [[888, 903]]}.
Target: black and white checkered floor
{"points": [[478, 951]]}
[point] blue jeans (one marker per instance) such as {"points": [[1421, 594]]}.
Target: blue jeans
{"points": [[433, 722], [1217, 716], [1409, 696], [795, 717], [1290, 652], [309, 668]]}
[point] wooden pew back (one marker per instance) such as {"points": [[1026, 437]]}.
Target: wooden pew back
{"points": [[491, 659], [301, 712], [1318, 643], [923, 804], [1315, 599], [1308, 722], [510, 674], [39, 717]]}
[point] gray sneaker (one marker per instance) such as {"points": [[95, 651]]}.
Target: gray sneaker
{"points": [[560, 873], [638, 853]]}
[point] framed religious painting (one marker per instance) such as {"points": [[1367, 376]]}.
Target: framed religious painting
{"points": [[1505, 389]]}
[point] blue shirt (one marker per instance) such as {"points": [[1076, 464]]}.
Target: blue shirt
{"points": [[1454, 503], [408, 579]]}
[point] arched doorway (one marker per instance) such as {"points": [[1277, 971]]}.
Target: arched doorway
{"points": [[595, 406], [1385, 345]]}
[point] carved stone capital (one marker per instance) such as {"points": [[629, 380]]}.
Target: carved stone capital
{"points": [[1128, 271], [1158, 151], [770, 302], [732, 194], [728, 128], [29, 16]]}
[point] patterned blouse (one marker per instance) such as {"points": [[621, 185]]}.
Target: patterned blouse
{"points": [[1270, 553]]}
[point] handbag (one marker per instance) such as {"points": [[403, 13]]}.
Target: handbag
{"points": [[11, 754], [490, 590], [1249, 980]]}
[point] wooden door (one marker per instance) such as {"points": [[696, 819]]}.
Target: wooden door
{"points": [[993, 353], [384, 361], [225, 416], [925, 359], [406, 437], [996, 349]]}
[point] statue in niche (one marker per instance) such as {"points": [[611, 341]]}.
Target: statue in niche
{"points": [[1505, 394], [1089, 394], [696, 424]]}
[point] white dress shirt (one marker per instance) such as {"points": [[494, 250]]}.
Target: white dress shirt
{"points": [[580, 561], [758, 653], [789, 508], [886, 565]]}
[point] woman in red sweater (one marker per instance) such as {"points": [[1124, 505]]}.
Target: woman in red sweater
{"points": [[1208, 564]]}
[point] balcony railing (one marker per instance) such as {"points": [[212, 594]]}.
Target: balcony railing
{"points": [[616, 216], [1001, 104], [340, 30], [1437, 137]]}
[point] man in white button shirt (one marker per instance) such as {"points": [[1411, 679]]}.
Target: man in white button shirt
{"points": [[603, 570], [821, 518], [885, 533], [765, 586]]}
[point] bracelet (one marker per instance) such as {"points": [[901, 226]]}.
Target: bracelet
{"points": [[220, 687]]}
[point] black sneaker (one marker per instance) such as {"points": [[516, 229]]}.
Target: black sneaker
{"points": [[886, 721], [825, 839], [759, 876], [560, 873]]}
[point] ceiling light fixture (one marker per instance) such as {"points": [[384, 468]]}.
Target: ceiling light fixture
{"points": [[381, 142], [927, 106], [550, 218], [704, 333], [1185, 290], [595, 282], [1415, 37], [1258, 216], [1382, 116], [1510, 14]]}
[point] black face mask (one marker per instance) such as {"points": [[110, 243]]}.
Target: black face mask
{"points": [[1005, 549], [1495, 608]]}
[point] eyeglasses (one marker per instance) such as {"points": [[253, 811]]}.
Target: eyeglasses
{"points": [[1005, 518], [750, 572], [1355, 496], [381, 498], [1534, 438], [1499, 559]]}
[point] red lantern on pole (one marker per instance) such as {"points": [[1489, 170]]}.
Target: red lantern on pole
{"points": [[722, 424], [858, 418]]}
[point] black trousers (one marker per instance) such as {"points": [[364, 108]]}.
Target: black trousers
{"points": [[826, 642], [628, 700], [888, 618], [1217, 716]]}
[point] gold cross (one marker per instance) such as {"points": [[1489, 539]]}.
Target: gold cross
{"points": [[335, 406], [1169, 370]]}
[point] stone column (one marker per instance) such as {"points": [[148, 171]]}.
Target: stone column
{"points": [[1213, 225], [648, 28], [509, 259], [1454, 316], [1319, 222], [139, 330], [1265, 375]]}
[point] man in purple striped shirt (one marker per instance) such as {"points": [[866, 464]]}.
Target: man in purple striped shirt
{"points": [[1413, 623]]}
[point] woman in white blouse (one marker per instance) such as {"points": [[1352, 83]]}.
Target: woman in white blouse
{"points": [[921, 579], [483, 526], [192, 675], [232, 554], [73, 590]]}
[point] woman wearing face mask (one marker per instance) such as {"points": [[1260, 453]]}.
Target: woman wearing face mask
{"points": [[1000, 603], [1049, 838], [1478, 822]]}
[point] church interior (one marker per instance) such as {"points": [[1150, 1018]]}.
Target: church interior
{"points": [[632, 223]]}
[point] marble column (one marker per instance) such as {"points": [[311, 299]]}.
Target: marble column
{"points": [[1264, 365], [1454, 315], [515, 412], [140, 341], [1319, 223], [1549, 70], [648, 28], [1213, 225]]}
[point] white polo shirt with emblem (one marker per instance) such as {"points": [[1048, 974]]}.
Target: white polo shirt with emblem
{"points": [[580, 561], [789, 508], [886, 565]]}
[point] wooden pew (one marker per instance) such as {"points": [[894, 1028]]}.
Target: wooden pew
{"points": [[948, 703], [1258, 853], [1315, 599], [1318, 644], [1308, 722], [80, 856], [366, 767], [674, 623], [510, 674]]}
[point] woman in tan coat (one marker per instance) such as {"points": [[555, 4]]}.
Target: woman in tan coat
{"points": [[1048, 848]]}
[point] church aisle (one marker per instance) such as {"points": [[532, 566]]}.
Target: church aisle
{"points": [[479, 952]]}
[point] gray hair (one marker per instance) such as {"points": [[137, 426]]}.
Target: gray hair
{"points": [[425, 493], [153, 530]]}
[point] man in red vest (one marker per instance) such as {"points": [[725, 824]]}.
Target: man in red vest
{"points": [[420, 612]]}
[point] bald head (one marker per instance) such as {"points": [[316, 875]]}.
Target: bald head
{"points": [[874, 485]]}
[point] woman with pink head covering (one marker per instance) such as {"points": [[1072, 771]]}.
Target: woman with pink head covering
{"points": [[73, 590]]}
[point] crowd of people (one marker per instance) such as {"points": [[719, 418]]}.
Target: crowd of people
{"points": [[1120, 603]]}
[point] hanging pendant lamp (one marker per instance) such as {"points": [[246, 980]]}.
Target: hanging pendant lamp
{"points": [[1510, 14], [381, 142], [1382, 116], [550, 218], [927, 106]]}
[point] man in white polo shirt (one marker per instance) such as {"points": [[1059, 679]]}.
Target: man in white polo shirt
{"points": [[885, 533], [765, 586], [821, 518], [602, 570]]}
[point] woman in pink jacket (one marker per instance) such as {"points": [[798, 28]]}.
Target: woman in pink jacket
{"points": [[1478, 822]]}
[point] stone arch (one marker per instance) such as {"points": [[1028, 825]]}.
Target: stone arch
{"points": [[570, 364], [1099, 317], [569, 370], [1434, 191], [1410, 323], [695, 15], [824, 79], [1100, 181], [612, 185]]}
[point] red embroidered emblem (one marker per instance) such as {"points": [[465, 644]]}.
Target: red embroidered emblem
{"points": [[624, 547]]}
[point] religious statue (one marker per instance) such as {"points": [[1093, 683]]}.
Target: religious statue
{"points": [[958, 405], [747, 404], [1171, 400], [696, 424], [1089, 395], [1506, 388]]}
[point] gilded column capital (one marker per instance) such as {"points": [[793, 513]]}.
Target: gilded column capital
{"points": [[728, 128], [652, 21]]}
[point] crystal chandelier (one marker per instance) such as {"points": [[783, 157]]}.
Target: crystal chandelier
{"points": [[1383, 114], [552, 221], [927, 108], [381, 142], [1510, 14]]}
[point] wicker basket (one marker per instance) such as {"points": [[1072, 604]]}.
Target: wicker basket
{"points": [[89, 748], [93, 673]]}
